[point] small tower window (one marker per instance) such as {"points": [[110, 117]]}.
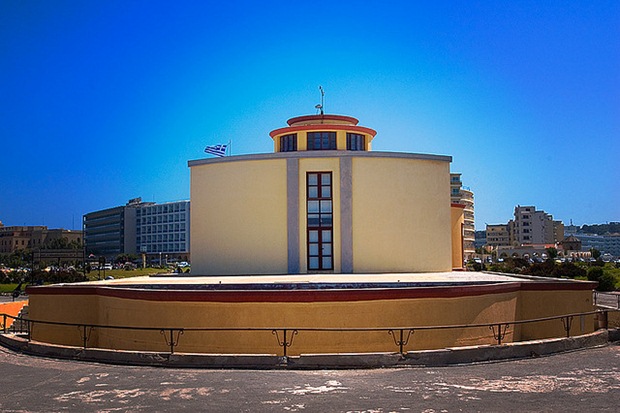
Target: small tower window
{"points": [[356, 142], [288, 143], [321, 141]]}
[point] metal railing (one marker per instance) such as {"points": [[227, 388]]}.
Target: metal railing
{"points": [[284, 336], [607, 299]]}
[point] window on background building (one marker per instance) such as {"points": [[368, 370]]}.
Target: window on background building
{"points": [[288, 143], [321, 141], [319, 220], [356, 142]]}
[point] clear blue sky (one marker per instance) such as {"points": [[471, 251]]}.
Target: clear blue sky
{"points": [[103, 101]]}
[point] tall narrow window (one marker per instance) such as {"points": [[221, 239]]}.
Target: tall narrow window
{"points": [[288, 143], [321, 141], [320, 221], [356, 142]]}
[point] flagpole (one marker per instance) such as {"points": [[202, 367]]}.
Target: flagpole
{"points": [[230, 147]]}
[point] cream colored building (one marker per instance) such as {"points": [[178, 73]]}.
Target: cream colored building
{"points": [[498, 235], [323, 202], [464, 196], [14, 238]]}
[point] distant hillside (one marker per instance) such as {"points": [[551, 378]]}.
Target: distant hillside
{"points": [[602, 229]]}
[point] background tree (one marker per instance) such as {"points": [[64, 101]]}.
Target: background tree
{"points": [[568, 270], [552, 253]]}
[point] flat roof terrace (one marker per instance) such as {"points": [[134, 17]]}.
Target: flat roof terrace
{"points": [[455, 277], [311, 287]]}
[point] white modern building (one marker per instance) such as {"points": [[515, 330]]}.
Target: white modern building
{"points": [[606, 244], [162, 230]]}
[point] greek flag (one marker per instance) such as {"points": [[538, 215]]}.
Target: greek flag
{"points": [[217, 150]]}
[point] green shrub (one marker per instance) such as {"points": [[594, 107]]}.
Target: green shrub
{"points": [[607, 282], [475, 266], [568, 270], [542, 269], [510, 265], [595, 273]]}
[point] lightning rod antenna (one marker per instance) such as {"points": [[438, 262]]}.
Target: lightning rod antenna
{"points": [[320, 105]]}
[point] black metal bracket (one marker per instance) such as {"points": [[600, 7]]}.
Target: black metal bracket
{"points": [[284, 343], [171, 339], [85, 332], [402, 341], [567, 322], [500, 333]]}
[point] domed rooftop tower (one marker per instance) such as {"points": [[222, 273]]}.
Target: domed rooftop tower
{"points": [[322, 132]]}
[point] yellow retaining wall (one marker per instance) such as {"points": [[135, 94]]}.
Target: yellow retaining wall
{"points": [[485, 308], [72, 309], [540, 304], [613, 319]]}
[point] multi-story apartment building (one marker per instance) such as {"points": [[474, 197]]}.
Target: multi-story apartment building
{"points": [[460, 194], [498, 235], [163, 229], [112, 231], [528, 227], [535, 227], [13, 238]]}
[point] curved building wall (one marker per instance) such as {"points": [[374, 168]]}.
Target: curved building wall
{"points": [[249, 213], [457, 223], [238, 217], [401, 222]]}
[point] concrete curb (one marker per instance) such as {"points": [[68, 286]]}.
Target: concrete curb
{"points": [[519, 350], [423, 358]]}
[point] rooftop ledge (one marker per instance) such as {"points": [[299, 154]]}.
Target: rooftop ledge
{"points": [[321, 119], [321, 154]]}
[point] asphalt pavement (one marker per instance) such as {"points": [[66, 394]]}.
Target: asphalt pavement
{"points": [[586, 380]]}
